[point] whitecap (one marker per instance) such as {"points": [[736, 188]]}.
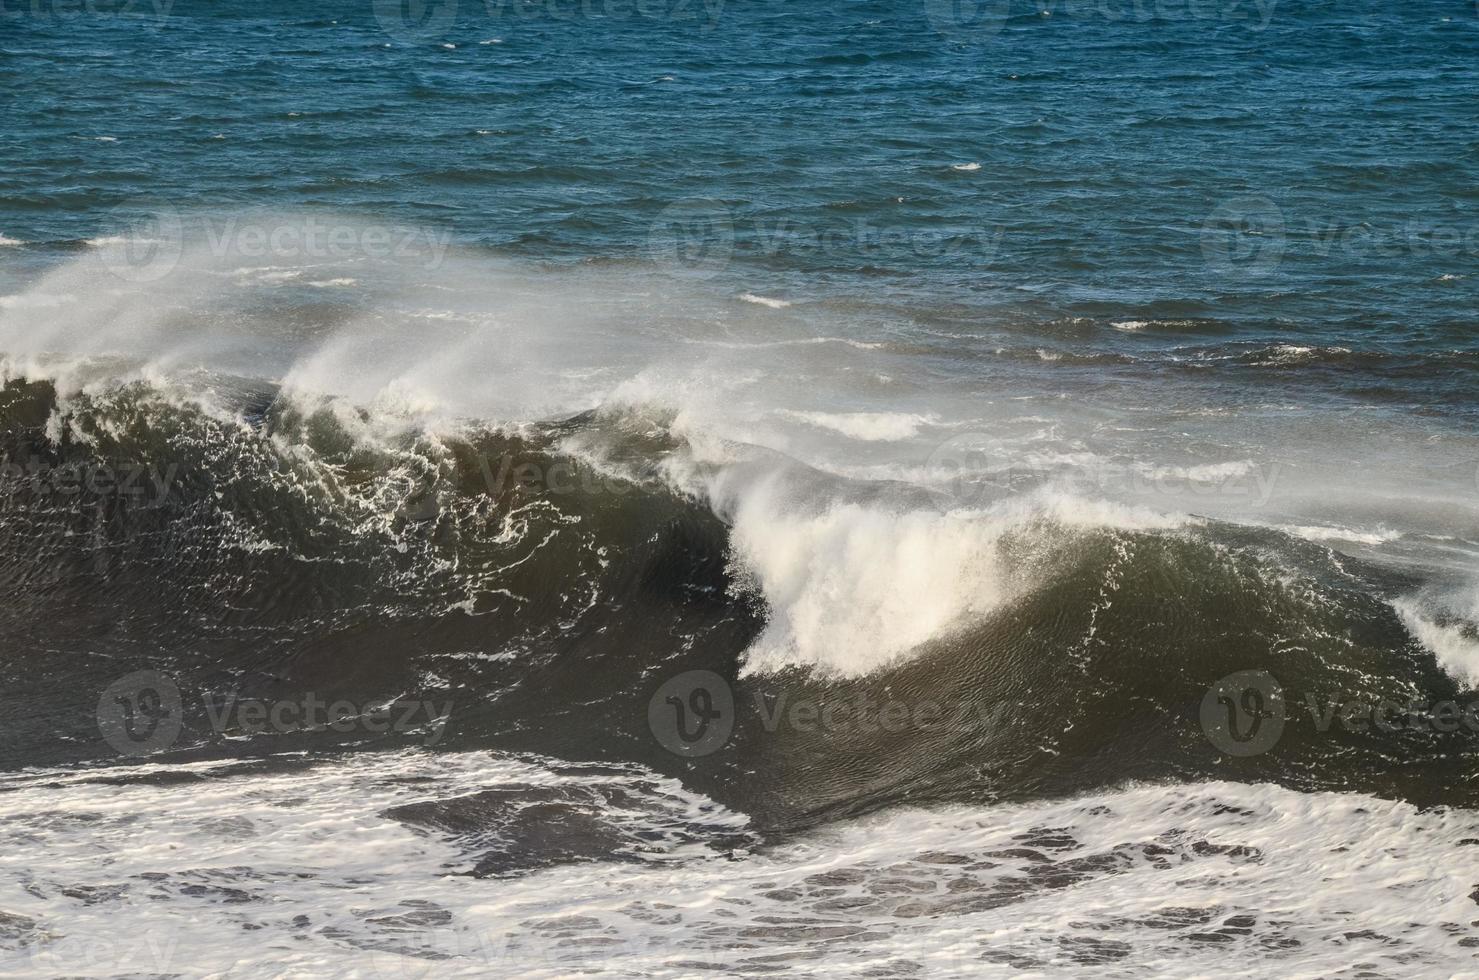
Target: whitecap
{"points": [[775, 304], [1322, 533], [865, 426], [104, 241], [1454, 644]]}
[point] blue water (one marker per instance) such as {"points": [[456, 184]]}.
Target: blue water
{"points": [[1306, 170]]}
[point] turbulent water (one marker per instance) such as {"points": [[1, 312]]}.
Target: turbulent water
{"points": [[679, 490]]}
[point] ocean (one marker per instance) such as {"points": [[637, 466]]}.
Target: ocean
{"points": [[705, 488]]}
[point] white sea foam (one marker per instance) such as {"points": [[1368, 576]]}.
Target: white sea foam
{"points": [[968, 167], [1290, 354], [33, 301], [866, 426], [775, 304], [1318, 532], [1455, 643], [6, 240], [302, 874]]}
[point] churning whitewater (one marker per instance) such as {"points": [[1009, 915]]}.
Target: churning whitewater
{"points": [[969, 647], [889, 489]]}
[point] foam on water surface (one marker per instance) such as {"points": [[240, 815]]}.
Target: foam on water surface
{"points": [[205, 871]]}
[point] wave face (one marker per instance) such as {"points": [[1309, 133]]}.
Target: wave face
{"points": [[697, 611], [500, 516]]}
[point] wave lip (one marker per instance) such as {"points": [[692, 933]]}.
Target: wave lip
{"points": [[1454, 643], [866, 426]]}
